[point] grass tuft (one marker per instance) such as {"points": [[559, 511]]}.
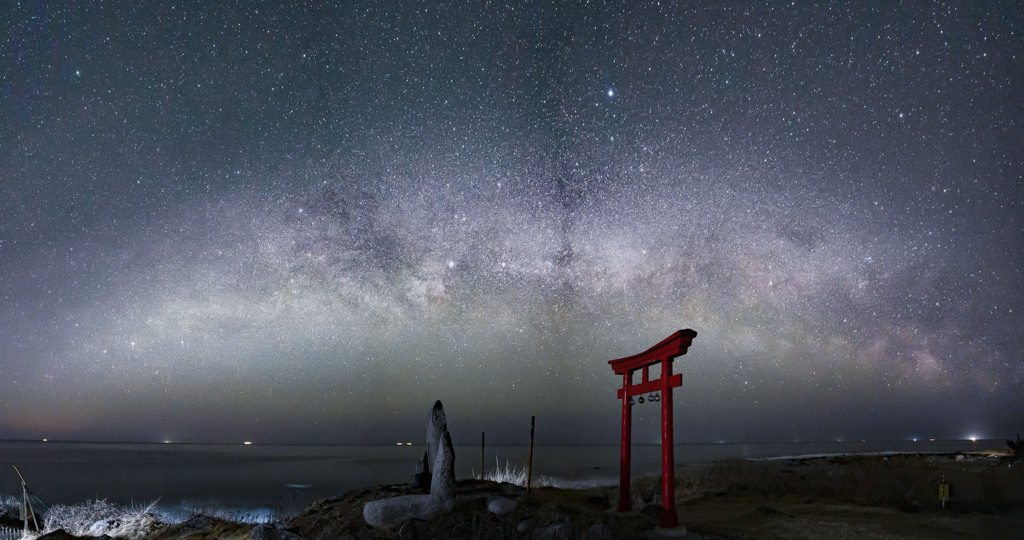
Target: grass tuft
{"points": [[509, 474], [99, 517]]}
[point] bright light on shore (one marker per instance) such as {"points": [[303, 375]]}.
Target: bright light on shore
{"points": [[247, 443]]}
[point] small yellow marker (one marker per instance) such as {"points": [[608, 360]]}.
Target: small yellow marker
{"points": [[943, 492]]}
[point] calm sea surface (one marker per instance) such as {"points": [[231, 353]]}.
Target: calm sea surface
{"points": [[292, 477]]}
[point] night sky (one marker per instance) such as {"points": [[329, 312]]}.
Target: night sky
{"points": [[251, 221]]}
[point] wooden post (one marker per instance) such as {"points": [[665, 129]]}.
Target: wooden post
{"points": [[529, 460], [26, 503]]}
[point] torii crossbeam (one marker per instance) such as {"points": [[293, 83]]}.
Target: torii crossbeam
{"points": [[663, 353]]}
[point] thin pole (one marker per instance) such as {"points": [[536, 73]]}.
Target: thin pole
{"points": [[529, 461], [26, 501], [483, 438], [27, 506]]}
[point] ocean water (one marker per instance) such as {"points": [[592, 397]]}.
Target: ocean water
{"points": [[264, 479]]}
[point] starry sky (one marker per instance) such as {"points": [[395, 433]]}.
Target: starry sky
{"points": [[227, 221]]}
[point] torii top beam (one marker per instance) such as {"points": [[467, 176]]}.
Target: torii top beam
{"points": [[671, 347]]}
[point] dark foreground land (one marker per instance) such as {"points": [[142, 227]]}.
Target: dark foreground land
{"points": [[888, 497]]}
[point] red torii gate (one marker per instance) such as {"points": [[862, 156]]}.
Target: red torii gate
{"points": [[664, 352]]}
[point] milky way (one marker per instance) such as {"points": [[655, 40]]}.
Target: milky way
{"points": [[304, 224]]}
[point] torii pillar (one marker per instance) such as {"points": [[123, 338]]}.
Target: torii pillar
{"points": [[663, 353]]}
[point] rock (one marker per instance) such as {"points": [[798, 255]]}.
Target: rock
{"points": [[599, 530], [421, 479], [442, 483], [652, 510], [269, 532], [500, 506], [563, 529], [523, 526], [436, 425], [61, 534], [399, 509]]}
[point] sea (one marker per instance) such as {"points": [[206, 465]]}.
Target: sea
{"points": [[262, 481]]}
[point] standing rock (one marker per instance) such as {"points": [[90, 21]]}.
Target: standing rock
{"points": [[436, 468], [436, 425], [442, 483]]}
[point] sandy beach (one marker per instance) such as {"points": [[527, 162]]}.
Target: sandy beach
{"points": [[851, 496]]}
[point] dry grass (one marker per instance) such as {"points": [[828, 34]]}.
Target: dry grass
{"points": [[99, 517]]}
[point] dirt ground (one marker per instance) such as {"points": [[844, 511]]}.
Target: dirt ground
{"points": [[754, 516]]}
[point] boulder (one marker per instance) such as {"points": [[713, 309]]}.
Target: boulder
{"points": [[500, 506], [399, 509]]}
